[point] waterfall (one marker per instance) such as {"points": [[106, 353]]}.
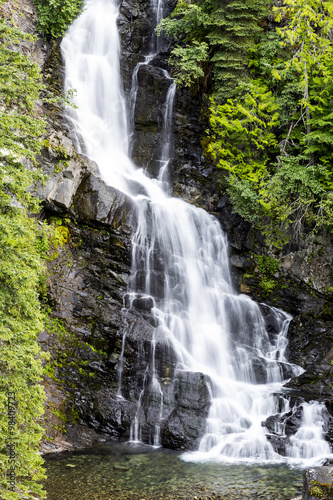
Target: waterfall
{"points": [[308, 441], [213, 329]]}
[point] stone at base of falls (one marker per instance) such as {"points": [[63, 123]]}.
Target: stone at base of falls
{"points": [[318, 483], [186, 424]]}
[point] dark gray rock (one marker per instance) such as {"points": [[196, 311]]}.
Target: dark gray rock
{"points": [[95, 201], [184, 427], [141, 302], [148, 118]]}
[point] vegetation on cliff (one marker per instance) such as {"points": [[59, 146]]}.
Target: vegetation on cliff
{"points": [[55, 16], [21, 319], [268, 71]]}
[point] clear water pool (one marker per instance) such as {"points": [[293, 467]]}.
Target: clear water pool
{"points": [[121, 471]]}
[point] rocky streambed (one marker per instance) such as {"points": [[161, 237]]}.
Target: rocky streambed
{"points": [[126, 472]]}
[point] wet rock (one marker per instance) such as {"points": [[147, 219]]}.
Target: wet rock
{"points": [[260, 370], [280, 427], [312, 264], [141, 302], [114, 415], [185, 426], [65, 186], [80, 436], [149, 117], [310, 340], [64, 171], [318, 483], [239, 261], [290, 421], [310, 346], [121, 468], [135, 25], [95, 201]]}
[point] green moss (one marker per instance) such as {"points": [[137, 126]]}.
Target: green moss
{"points": [[60, 166], [315, 490], [68, 367]]}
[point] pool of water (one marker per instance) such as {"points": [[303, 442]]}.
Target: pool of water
{"points": [[121, 471]]}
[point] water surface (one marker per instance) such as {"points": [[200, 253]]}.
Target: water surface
{"points": [[121, 471]]}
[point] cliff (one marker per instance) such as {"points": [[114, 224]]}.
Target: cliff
{"points": [[95, 378]]}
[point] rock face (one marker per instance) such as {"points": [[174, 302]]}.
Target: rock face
{"points": [[297, 279], [23, 15], [101, 358], [101, 337]]}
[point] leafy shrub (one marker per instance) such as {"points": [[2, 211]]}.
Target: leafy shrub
{"points": [[55, 16]]}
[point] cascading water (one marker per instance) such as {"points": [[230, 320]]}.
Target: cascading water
{"points": [[212, 329], [308, 441]]}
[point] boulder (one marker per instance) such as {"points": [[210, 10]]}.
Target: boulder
{"points": [[318, 483], [186, 424]]}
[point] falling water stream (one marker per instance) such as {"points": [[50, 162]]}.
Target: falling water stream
{"points": [[213, 329]]}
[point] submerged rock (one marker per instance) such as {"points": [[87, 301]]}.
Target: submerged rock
{"points": [[121, 468]]}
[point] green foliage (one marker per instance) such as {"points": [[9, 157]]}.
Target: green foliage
{"points": [[274, 140], [20, 366], [243, 133], [267, 63], [20, 269], [267, 267], [271, 119], [187, 22], [20, 82], [267, 285], [319, 139], [219, 32], [307, 32], [298, 196], [59, 236], [308, 35], [55, 16], [233, 27], [240, 141], [188, 63]]}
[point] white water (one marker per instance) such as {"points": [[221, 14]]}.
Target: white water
{"points": [[214, 330]]}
